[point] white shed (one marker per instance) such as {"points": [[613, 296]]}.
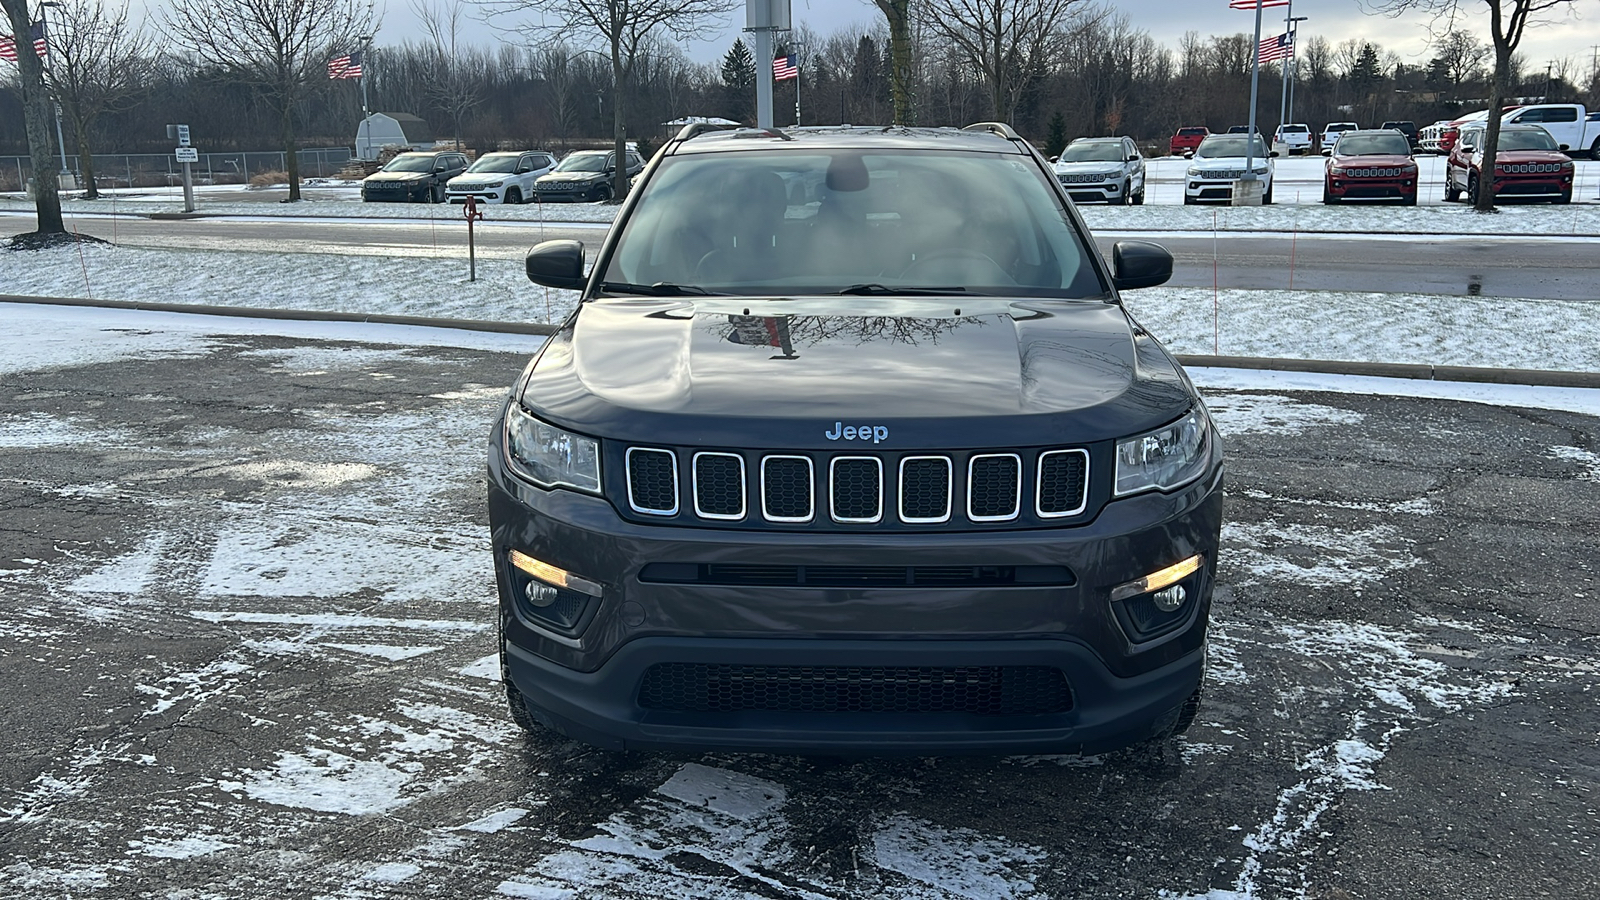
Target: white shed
{"points": [[380, 130]]}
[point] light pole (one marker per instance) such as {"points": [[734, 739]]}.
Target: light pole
{"points": [[60, 143], [1288, 82]]}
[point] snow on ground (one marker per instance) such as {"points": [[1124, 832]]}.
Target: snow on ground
{"points": [[1396, 328], [1297, 206]]}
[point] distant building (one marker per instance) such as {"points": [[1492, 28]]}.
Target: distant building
{"points": [[381, 130]]}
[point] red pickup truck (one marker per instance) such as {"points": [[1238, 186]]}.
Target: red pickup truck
{"points": [[1187, 139], [1528, 166]]}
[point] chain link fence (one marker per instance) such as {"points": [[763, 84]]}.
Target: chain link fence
{"points": [[122, 170]]}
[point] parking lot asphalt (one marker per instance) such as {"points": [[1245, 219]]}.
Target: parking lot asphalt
{"points": [[246, 610]]}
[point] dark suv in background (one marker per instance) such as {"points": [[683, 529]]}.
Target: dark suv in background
{"points": [[414, 177], [584, 176], [850, 446]]}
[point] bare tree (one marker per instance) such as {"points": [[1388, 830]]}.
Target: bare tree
{"points": [[898, 13], [98, 63], [623, 28], [1508, 23], [1460, 56], [457, 72], [36, 113], [1010, 42], [280, 48]]}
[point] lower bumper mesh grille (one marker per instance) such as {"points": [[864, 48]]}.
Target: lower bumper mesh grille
{"points": [[977, 690]]}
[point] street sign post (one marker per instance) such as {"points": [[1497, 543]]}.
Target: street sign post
{"points": [[185, 154]]}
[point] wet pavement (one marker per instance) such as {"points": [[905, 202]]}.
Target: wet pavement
{"points": [[246, 635]]}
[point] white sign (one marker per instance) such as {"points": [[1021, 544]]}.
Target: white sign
{"points": [[183, 137], [764, 14], [188, 154]]}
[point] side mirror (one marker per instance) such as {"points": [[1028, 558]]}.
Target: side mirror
{"points": [[1139, 264], [1563, 147], [557, 264], [1273, 153], [1133, 158], [1188, 154], [1327, 151]]}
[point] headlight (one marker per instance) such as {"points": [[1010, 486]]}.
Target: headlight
{"points": [[1263, 171], [1194, 171], [1164, 459], [1337, 171], [550, 456], [494, 184]]}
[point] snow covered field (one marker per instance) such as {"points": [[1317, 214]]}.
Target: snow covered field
{"points": [[1395, 328], [1298, 206]]}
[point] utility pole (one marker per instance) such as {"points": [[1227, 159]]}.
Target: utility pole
{"points": [[762, 18]]}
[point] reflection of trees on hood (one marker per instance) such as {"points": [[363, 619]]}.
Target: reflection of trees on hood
{"points": [[803, 330]]}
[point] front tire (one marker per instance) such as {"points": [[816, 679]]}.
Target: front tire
{"points": [[602, 193], [1452, 194], [1266, 198], [1566, 197], [1188, 200], [514, 196], [1472, 189], [1124, 195], [1138, 199], [1594, 149]]}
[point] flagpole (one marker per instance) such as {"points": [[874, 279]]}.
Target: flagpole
{"points": [[1283, 93], [1255, 92]]}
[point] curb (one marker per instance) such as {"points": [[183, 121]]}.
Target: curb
{"points": [[293, 315], [1467, 374]]}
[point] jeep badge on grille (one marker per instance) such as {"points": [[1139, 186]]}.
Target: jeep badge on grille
{"points": [[874, 433]]}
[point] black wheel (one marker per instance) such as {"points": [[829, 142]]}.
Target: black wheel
{"points": [[1188, 200], [436, 194], [1566, 197], [1451, 193], [1409, 200], [1472, 188], [514, 195], [1138, 199], [1266, 198], [1328, 197], [602, 193], [1124, 196], [1594, 149]]}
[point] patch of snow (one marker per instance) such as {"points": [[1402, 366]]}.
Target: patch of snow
{"points": [[186, 847], [1314, 555], [1586, 458], [734, 794], [384, 651], [487, 667], [958, 861], [1274, 414], [325, 781], [391, 872], [331, 621], [131, 573], [496, 821]]}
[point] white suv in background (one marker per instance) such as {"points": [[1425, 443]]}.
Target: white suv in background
{"points": [[501, 177], [1219, 161], [1330, 134], [1109, 169], [1295, 138]]}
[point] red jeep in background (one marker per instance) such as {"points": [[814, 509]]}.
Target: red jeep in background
{"points": [[1370, 165], [1528, 166], [1188, 138]]}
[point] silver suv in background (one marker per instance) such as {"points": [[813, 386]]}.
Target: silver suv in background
{"points": [[1102, 169], [500, 177]]}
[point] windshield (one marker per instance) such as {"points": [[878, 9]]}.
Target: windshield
{"points": [[1293, 129], [583, 162], [848, 220], [1191, 132], [1219, 145], [1098, 151], [405, 162], [495, 163], [1532, 139], [1373, 144]]}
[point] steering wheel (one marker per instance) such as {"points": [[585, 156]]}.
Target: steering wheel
{"points": [[962, 264]]}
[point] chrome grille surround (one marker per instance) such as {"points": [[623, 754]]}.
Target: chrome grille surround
{"points": [[710, 459], [834, 488], [766, 491], [949, 490], [1045, 460], [645, 455], [1016, 491]]}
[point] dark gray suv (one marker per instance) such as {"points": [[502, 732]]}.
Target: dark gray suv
{"points": [[851, 447]]}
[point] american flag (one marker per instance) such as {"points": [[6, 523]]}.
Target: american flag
{"points": [[1275, 48], [784, 68], [347, 66], [8, 45], [1254, 4]]}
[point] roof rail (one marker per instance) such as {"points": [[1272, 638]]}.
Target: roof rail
{"points": [[999, 128], [693, 128]]}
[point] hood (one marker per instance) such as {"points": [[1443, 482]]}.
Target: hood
{"points": [[993, 372], [1373, 161], [1521, 157], [572, 176], [397, 176], [1224, 163], [1088, 168]]}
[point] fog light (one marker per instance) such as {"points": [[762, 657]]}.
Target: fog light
{"points": [[1156, 581], [541, 595], [1170, 599]]}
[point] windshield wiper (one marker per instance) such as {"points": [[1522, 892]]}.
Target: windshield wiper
{"points": [[659, 289], [875, 289]]}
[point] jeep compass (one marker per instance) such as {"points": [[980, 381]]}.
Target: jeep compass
{"points": [[851, 447]]}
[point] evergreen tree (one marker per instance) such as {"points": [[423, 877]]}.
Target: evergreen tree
{"points": [[739, 66], [1056, 140]]}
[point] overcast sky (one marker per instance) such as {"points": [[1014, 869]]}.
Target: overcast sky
{"points": [[1165, 20]]}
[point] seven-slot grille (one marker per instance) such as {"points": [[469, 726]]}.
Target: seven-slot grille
{"points": [[859, 489], [1375, 173]]}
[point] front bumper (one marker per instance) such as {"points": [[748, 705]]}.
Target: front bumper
{"points": [[1348, 188], [406, 193], [1093, 192], [483, 195], [587, 678], [1550, 186], [1206, 189]]}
